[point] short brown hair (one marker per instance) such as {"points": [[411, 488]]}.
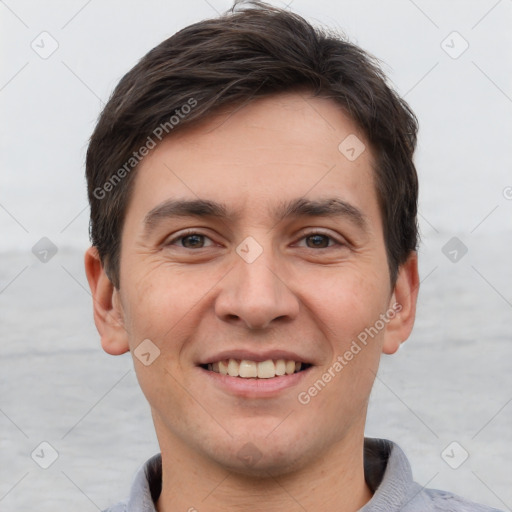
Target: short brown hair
{"points": [[252, 52]]}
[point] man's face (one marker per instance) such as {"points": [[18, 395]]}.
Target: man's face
{"points": [[254, 238]]}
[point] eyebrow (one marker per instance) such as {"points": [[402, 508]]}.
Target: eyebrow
{"points": [[202, 208], [183, 208], [331, 207]]}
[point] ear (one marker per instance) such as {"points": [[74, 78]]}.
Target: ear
{"points": [[403, 303], [108, 311]]}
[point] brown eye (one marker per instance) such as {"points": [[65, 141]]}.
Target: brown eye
{"points": [[317, 241], [193, 241], [190, 240]]}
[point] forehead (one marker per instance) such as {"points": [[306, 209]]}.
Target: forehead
{"points": [[277, 148]]}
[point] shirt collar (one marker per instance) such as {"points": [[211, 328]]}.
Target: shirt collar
{"points": [[387, 473]]}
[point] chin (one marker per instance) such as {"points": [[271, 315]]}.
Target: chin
{"points": [[262, 459], [264, 468]]}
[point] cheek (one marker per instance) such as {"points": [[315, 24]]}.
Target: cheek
{"points": [[347, 310], [347, 306], [161, 298], [346, 300], [162, 305]]}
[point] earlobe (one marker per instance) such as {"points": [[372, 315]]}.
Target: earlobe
{"points": [[403, 303], [108, 313]]}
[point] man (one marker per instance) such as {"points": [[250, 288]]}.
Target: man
{"points": [[253, 220]]}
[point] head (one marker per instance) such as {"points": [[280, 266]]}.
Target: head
{"points": [[253, 196]]}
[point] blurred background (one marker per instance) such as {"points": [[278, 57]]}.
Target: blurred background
{"points": [[445, 397]]}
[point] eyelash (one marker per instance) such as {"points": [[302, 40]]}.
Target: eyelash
{"points": [[303, 237]]}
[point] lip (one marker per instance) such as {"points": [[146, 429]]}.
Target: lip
{"points": [[253, 387], [257, 357]]}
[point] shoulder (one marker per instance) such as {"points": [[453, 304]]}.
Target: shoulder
{"points": [[442, 501], [388, 474], [145, 488], [120, 507]]}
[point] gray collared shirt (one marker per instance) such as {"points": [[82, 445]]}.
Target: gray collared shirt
{"points": [[387, 473]]}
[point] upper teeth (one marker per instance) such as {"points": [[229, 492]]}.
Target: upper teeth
{"points": [[250, 369]]}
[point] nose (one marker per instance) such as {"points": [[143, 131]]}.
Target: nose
{"points": [[256, 295]]}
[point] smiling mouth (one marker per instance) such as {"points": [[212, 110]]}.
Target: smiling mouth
{"points": [[246, 369]]}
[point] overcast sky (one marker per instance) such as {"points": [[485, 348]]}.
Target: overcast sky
{"points": [[451, 60]]}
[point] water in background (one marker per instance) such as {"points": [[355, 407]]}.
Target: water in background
{"points": [[452, 381]]}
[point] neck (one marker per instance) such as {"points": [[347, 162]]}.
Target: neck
{"points": [[333, 482]]}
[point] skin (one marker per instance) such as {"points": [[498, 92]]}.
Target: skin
{"points": [[312, 296]]}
